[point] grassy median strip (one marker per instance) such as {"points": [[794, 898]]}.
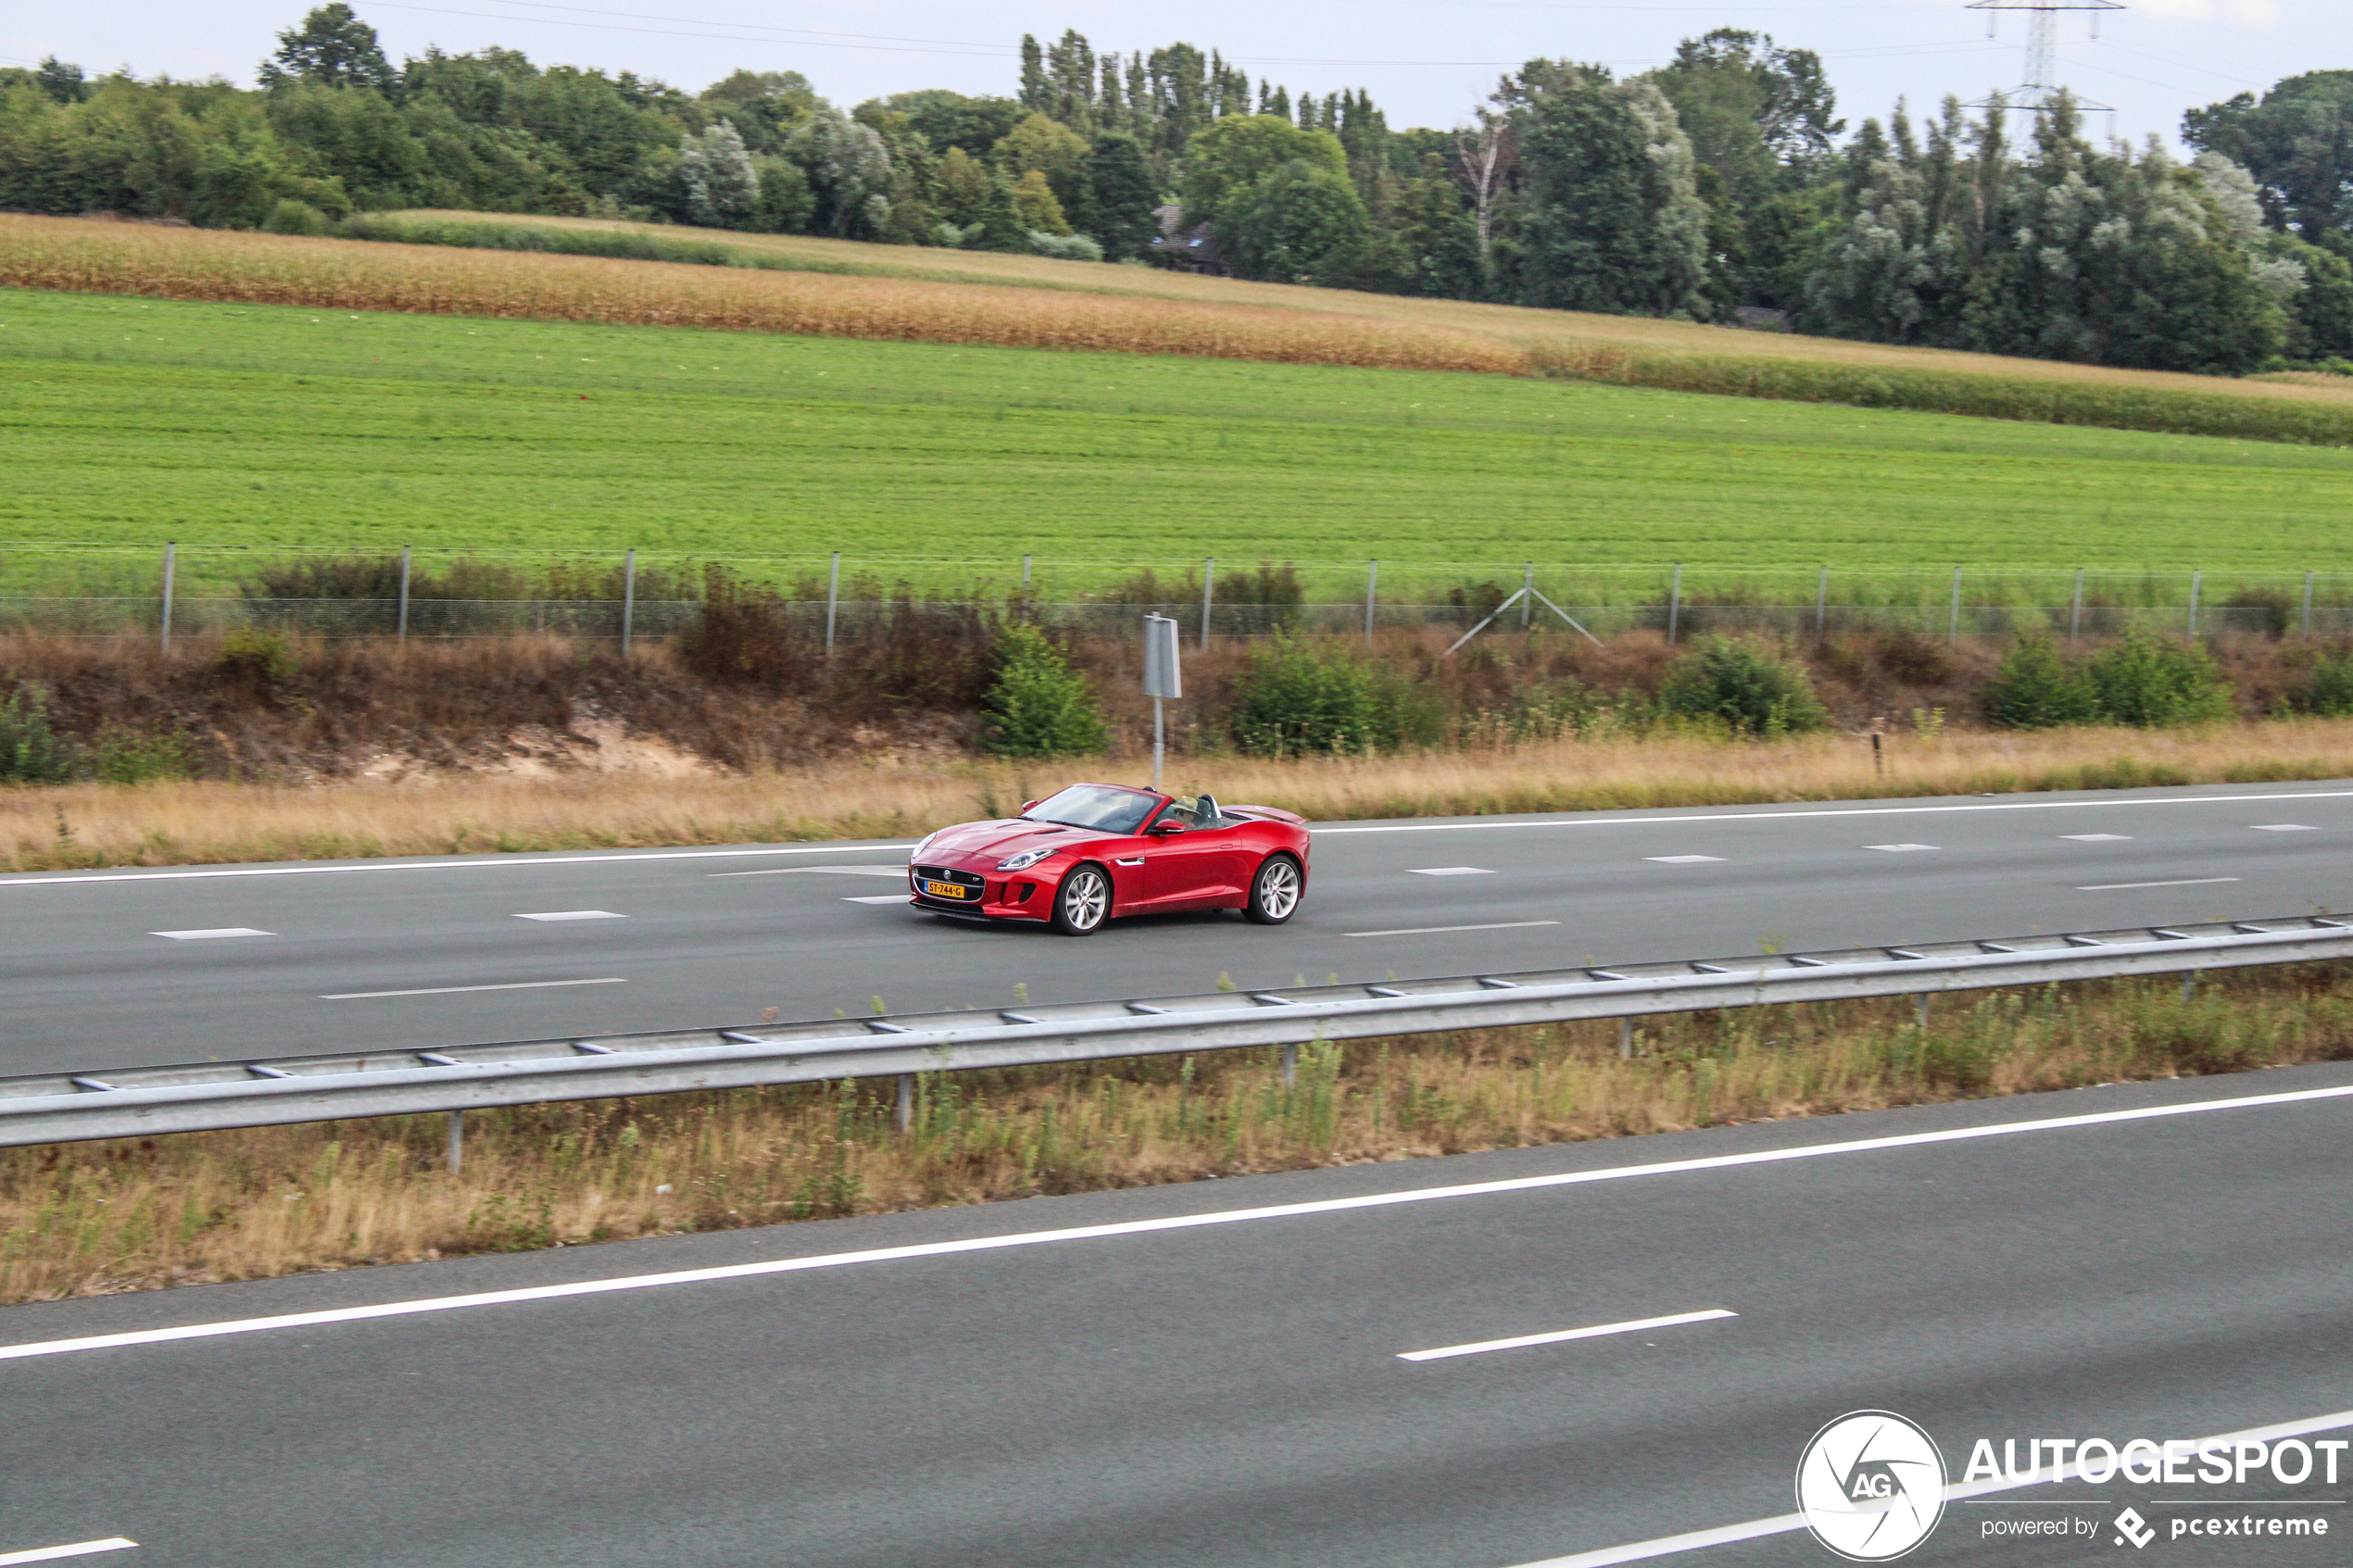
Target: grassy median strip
{"points": [[131, 1214]]}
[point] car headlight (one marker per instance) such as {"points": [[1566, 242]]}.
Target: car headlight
{"points": [[917, 852], [1026, 859]]}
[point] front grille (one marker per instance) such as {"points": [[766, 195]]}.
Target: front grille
{"points": [[940, 873]]}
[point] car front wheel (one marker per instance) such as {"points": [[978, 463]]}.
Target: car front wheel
{"points": [[1274, 892], [1083, 901]]}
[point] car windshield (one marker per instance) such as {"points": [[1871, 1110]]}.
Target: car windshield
{"points": [[1101, 807]]}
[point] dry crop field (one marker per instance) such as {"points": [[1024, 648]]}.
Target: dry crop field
{"points": [[1066, 305]]}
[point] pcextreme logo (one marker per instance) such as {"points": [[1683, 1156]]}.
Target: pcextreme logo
{"points": [[1871, 1485]]}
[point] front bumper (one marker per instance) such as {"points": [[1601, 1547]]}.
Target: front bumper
{"points": [[988, 896]]}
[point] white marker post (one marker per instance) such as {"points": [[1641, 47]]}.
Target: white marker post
{"points": [[1164, 678]]}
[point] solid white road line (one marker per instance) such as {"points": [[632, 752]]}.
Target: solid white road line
{"points": [[2185, 881], [1850, 812], [453, 990], [1450, 871], [509, 864], [2100, 837], [212, 934], [1685, 859], [1171, 1222], [1667, 1545], [1634, 1326], [899, 869], [1432, 929], [574, 914], [1899, 849], [79, 1549], [2283, 827], [877, 898]]}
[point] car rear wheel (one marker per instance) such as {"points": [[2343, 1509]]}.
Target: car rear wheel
{"points": [[1275, 891], [1083, 901]]}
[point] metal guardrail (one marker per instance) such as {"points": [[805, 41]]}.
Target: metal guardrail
{"points": [[148, 1100]]}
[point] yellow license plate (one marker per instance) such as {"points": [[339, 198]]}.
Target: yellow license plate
{"points": [[947, 890]]}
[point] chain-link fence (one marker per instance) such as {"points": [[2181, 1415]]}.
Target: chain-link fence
{"points": [[182, 591]]}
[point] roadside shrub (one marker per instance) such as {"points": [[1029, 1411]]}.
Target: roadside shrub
{"points": [[2329, 691], [1039, 706], [122, 755], [2151, 684], [2264, 610], [30, 752], [745, 635], [1069, 248], [1748, 689], [259, 657], [2036, 689], [1296, 700]]}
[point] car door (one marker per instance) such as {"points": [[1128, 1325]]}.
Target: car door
{"points": [[1197, 865]]}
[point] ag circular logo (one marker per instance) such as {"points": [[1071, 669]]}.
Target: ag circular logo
{"points": [[1871, 1485]]}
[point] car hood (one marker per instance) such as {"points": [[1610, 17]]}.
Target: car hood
{"points": [[1000, 840]]}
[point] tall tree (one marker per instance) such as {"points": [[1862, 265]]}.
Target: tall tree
{"points": [[1127, 197], [2298, 143], [333, 46]]}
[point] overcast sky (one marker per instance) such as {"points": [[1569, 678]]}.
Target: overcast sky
{"points": [[1426, 61]]}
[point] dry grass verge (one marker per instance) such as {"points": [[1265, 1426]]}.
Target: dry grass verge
{"points": [[896, 795], [95, 1218]]}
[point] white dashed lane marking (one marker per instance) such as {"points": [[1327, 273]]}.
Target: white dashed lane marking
{"points": [[209, 935], [574, 914], [1564, 1335], [877, 898], [821, 870], [1899, 849], [1450, 871], [453, 990], [2185, 881], [1685, 859], [1433, 930], [2098, 837], [2285, 827]]}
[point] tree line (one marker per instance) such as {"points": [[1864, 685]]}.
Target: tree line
{"points": [[1720, 187]]}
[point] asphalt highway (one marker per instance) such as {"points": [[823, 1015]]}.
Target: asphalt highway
{"points": [[1234, 1394], [116, 969]]}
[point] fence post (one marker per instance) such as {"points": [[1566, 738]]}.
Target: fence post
{"points": [[401, 630], [1822, 605], [1291, 1066], [628, 599], [2075, 617], [833, 599], [906, 1108], [1208, 577], [1526, 593], [1675, 602], [456, 1141], [1026, 612], [1952, 625], [1372, 585], [2194, 578], [2308, 604], [171, 559]]}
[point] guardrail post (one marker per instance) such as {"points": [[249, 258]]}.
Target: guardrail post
{"points": [[1923, 1000], [1953, 626], [1372, 586], [401, 630], [2189, 987], [1208, 577], [628, 599], [456, 1141], [906, 1108], [1291, 1067], [1625, 1039], [2196, 578], [2075, 616], [171, 558], [1822, 605], [833, 600]]}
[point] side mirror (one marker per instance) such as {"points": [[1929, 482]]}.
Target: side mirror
{"points": [[1026, 807], [1163, 830]]}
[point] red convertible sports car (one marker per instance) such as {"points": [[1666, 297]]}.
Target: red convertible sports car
{"points": [[1077, 858]]}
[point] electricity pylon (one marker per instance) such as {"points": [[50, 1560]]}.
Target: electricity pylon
{"points": [[2040, 91]]}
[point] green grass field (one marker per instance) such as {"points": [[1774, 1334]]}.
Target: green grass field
{"points": [[126, 420]]}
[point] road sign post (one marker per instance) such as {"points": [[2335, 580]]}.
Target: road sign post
{"points": [[1164, 678]]}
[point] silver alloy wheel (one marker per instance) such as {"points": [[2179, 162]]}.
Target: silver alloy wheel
{"points": [[1084, 901], [1276, 892]]}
